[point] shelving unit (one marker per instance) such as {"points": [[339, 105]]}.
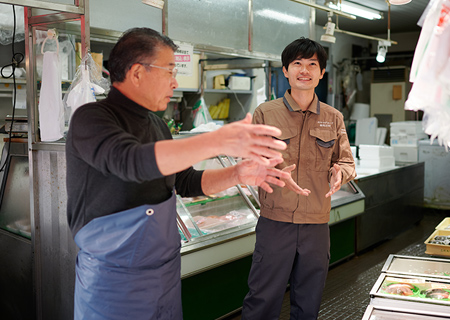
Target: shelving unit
{"points": [[37, 265]]}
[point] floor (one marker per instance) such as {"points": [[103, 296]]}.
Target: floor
{"points": [[346, 294]]}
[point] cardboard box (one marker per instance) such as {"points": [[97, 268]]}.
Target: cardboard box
{"points": [[219, 82], [438, 249]]}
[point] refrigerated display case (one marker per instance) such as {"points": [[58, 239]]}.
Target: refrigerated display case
{"points": [[219, 228], [417, 266], [218, 239], [417, 293], [383, 313]]}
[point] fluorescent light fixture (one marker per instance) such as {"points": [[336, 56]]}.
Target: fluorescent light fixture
{"points": [[356, 10], [279, 16], [399, 2], [154, 3], [382, 50]]}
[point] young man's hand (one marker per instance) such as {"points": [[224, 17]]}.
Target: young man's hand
{"points": [[335, 181], [290, 183]]}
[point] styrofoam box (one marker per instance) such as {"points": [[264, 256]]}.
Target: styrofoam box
{"points": [[407, 127], [354, 151], [239, 83], [406, 132], [370, 152], [405, 153], [406, 140], [384, 162]]}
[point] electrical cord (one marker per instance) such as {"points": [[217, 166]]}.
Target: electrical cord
{"points": [[17, 58]]}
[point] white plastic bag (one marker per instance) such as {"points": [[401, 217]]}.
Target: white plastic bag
{"points": [[51, 111], [201, 113], [87, 83]]}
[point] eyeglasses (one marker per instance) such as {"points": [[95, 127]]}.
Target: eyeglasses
{"points": [[173, 71]]}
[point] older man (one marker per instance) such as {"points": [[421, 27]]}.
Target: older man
{"points": [[123, 169]]}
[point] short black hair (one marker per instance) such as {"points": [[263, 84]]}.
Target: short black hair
{"points": [[134, 46], [304, 48]]}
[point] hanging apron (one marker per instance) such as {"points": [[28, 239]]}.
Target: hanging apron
{"points": [[129, 265], [51, 110]]}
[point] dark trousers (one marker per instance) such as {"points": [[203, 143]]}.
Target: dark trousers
{"points": [[298, 253]]}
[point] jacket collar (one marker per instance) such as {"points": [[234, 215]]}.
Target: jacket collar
{"points": [[289, 102]]}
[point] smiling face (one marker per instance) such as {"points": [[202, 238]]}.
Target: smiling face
{"points": [[304, 74]]}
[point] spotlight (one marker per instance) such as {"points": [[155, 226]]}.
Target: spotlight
{"points": [[382, 50], [381, 56], [329, 33]]}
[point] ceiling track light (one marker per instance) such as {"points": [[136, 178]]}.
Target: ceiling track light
{"points": [[382, 50], [356, 9], [329, 33]]}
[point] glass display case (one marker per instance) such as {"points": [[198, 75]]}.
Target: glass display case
{"points": [[411, 292], [418, 266], [382, 313], [14, 192], [220, 228], [207, 217]]}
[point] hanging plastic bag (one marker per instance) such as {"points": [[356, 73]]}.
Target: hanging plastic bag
{"points": [[51, 111], [431, 64], [87, 83], [201, 113]]}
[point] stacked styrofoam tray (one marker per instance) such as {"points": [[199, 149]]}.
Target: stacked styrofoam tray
{"points": [[373, 156], [404, 138], [406, 133], [368, 151]]}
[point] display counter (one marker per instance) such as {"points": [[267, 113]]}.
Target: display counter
{"points": [[393, 202], [384, 313], [411, 288], [16, 286], [426, 294], [218, 239], [219, 228]]}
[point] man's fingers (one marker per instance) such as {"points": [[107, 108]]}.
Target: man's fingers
{"points": [[266, 187], [278, 173], [265, 130], [268, 142], [275, 181]]}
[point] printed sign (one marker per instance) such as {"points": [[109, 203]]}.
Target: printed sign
{"points": [[183, 58]]}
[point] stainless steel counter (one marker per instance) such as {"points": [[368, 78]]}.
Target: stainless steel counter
{"points": [[393, 200]]}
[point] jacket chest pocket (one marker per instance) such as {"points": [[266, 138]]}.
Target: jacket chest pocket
{"points": [[324, 142], [290, 136]]}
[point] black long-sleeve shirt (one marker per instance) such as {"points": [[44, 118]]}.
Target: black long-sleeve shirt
{"points": [[111, 165]]}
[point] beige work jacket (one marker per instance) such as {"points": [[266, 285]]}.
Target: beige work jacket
{"points": [[316, 139]]}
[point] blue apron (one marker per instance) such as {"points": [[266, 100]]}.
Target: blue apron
{"points": [[129, 265]]}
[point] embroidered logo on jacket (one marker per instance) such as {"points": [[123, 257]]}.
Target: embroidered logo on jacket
{"points": [[326, 124]]}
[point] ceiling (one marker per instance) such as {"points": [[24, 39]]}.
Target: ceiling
{"points": [[404, 18]]}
